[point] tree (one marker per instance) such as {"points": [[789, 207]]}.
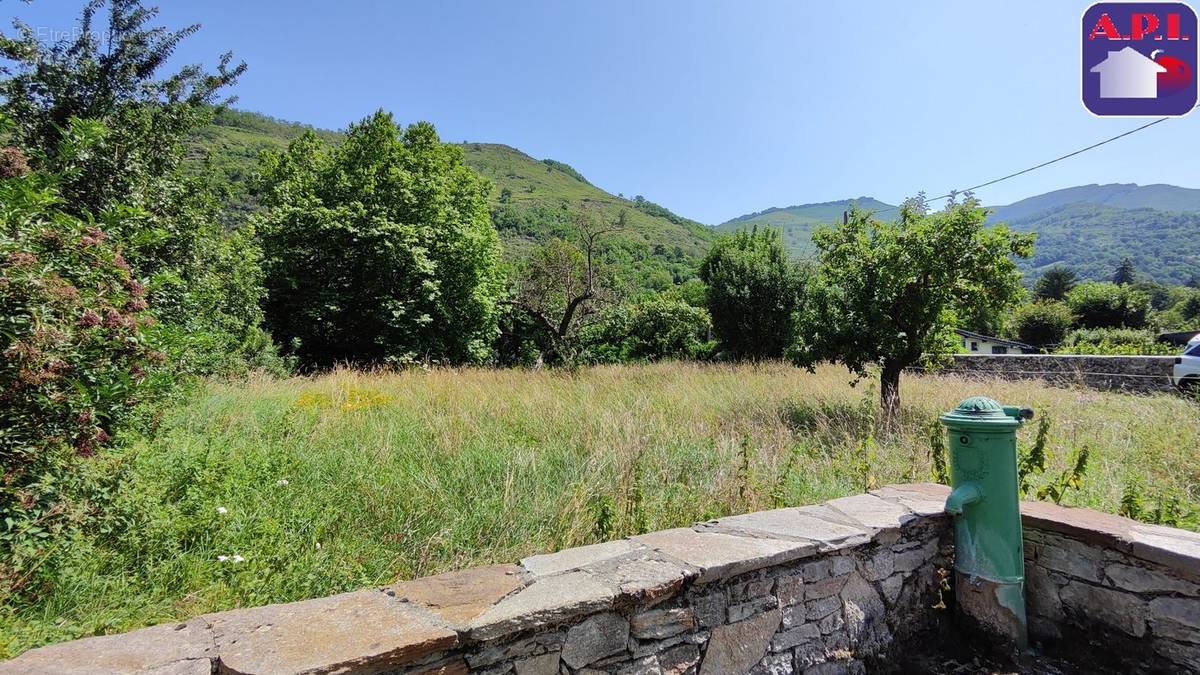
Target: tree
{"points": [[202, 279], [1107, 305], [1193, 281], [561, 285], [654, 328], [1124, 275], [1042, 324], [889, 293], [1055, 283], [379, 250], [753, 293]]}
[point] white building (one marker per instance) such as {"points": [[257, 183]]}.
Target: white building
{"points": [[978, 343]]}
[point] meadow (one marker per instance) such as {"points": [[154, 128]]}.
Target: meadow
{"points": [[272, 490]]}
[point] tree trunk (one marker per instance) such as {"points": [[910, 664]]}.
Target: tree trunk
{"points": [[889, 395]]}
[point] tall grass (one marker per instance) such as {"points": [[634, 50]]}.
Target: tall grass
{"points": [[354, 479]]}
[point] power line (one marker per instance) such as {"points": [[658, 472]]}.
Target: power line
{"points": [[1043, 164]]}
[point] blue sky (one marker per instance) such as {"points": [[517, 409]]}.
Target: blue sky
{"points": [[713, 109]]}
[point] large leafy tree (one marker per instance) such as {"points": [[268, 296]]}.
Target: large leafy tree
{"points": [[379, 250], [753, 293], [889, 293], [202, 280], [1107, 305]]}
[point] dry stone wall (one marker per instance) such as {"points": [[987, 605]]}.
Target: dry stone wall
{"points": [[829, 589], [821, 589], [1124, 373], [1103, 584]]}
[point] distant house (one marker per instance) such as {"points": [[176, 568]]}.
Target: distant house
{"points": [[978, 343]]}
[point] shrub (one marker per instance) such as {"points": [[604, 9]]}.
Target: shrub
{"points": [[1107, 305], [1113, 341], [75, 363], [1041, 324], [660, 327]]}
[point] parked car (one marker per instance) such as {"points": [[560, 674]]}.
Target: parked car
{"points": [[1186, 374]]}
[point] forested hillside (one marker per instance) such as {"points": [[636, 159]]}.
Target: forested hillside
{"points": [[530, 201], [796, 223]]}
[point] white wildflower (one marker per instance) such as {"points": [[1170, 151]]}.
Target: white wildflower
{"points": [[237, 558], [222, 510], [318, 544], [222, 558], [281, 481]]}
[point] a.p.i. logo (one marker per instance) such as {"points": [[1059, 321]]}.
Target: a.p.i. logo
{"points": [[1139, 58]]}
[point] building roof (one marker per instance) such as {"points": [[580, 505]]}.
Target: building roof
{"points": [[990, 338]]}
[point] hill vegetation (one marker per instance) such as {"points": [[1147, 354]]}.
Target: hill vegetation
{"points": [[796, 223], [531, 200]]}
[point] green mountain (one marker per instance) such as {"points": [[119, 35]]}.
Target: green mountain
{"points": [[1093, 238], [1089, 227], [796, 223], [1117, 195], [531, 199]]}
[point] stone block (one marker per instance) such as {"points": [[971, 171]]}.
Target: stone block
{"points": [[709, 608], [594, 639], [643, 578], [873, 512], [819, 609], [736, 647], [793, 524], [546, 664], [774, 664], [891, 587], [679, 660], [880, 565], [922, 499], [789, 590], [546, 601], [1177, 549], [824, 588], [749, 590], [788, 639], [658, 624], [866, 623], [364, 631], [459, 597], [1176, 618], [646, 665], [1089, 604], [1143, 580], [175, 647], [910, 560], [719, 555], [1073, 558], [575, 558], [746, 609]]}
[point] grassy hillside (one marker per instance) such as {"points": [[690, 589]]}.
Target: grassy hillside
{"points": [[352, 480], [531, 199], [796, 223]]}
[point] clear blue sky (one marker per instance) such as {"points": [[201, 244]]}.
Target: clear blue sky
{"points": [[712, 109]]}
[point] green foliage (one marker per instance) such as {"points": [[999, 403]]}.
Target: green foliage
{"points": [[76, 361], [939, 461], [1114, 342], [1124, 274], [379, 250], [653, 328], [106, 100], [565, 168], [1070, 479], [1032, 462], [888, 293], [1055, 283], [1042, 324], [1107, 305], [753, 293]]}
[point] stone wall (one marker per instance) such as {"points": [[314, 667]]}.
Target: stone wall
{"points": [[821, 589], [834, 588], [1125, 373], [1102, 584]]}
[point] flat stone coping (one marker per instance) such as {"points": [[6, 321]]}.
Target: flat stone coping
{"points": [[410, 621]]}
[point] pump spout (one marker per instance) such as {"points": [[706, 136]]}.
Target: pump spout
{"points": [[967, 493]]}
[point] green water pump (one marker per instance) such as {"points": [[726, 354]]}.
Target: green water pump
{"points": [[989, 562]]}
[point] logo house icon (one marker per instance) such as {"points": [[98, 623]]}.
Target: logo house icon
{"points": [[1139, 58], [1128, 74]]}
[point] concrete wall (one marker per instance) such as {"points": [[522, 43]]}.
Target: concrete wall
{"points": [[834, 588], [1126, 373]]}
